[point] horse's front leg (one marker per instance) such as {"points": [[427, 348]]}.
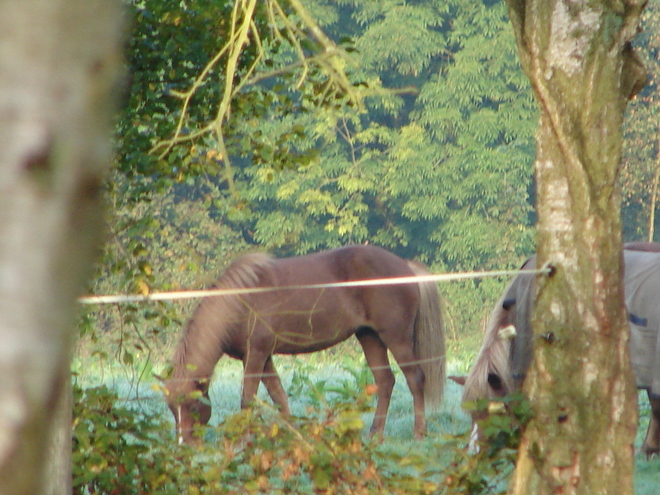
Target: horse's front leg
{"points": [[253, 369], [375, 353], [274, 386], [651, 445]]}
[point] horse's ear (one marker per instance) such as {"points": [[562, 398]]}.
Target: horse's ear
{"points": [[458, 379]]}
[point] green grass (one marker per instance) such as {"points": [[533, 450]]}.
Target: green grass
{"points": [[308, 377], [647, 472]]}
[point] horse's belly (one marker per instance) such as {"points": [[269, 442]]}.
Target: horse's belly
{"points": [[304, 347], [316, 327], [312, 336]]}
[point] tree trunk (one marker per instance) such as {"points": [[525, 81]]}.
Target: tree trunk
{"points": [[59, 61], [583, 70], [57, 469]]}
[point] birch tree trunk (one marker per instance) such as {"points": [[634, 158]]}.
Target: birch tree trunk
{"points": [[59, 61], [578, 57]]}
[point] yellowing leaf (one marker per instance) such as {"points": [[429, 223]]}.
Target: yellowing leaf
{"points": [[143, 287]]}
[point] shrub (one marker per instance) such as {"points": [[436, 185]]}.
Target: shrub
{"points": [[117, 450], [123, 450]]}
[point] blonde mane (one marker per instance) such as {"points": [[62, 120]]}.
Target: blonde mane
{"points": [[493, 357]]}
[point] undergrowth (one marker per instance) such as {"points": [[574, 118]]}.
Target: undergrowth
{"points": [[119, 449]]}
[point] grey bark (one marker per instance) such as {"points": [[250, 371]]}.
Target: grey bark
{"points": [[59, 62]]}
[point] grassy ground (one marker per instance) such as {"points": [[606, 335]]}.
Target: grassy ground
{"points": [[647, 472], [328, 374]]}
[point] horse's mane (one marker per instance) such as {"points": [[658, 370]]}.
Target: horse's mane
{"points": [[493, 357], [201, 342]]}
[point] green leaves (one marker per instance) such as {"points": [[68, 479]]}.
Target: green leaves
{"points": [[116, 450], [488, 470]]}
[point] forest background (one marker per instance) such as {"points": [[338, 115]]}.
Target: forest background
{"points": [[437, 165], [434, 162]]}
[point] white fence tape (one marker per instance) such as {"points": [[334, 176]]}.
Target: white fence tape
{"points": [[195, 294]]}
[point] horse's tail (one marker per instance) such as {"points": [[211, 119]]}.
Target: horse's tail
{"points": [[202, 342], [494, 355], [429, 339]]}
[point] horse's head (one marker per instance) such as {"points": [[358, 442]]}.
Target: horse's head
{"points": [[188, 399], [490, 379], [490, 400]]}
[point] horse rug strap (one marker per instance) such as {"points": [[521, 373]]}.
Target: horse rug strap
{"points": [[642, 287]]}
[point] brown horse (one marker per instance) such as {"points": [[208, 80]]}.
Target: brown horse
{"points": [[402, 318], [506, 351]]}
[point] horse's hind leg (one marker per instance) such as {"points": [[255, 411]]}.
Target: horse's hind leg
{"points": [[651, 446], [376, 354], [274, 386], [405, 356]]}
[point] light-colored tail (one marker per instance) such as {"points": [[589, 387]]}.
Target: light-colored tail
{"points": [[429, 338]]}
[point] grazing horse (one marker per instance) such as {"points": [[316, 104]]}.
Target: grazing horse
{"points": [[286, 318], [507, 349]]}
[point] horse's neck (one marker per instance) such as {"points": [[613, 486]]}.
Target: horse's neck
{"points": [[195, 359], [210, 328], [206, 335]]}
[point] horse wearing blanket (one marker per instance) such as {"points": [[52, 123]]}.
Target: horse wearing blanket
{"points": [[402, 318], [507, 349]]}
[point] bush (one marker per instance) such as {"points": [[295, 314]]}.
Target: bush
{"points": [[488, 471], [118, 450]]}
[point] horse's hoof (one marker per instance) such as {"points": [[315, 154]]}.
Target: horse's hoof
{"points": [[376, 435], [651, 453]]}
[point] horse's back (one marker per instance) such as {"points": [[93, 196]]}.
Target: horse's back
{"points": [[346, 263], [651, 247]]}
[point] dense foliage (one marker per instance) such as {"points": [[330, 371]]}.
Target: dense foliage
{"points": [[438, 170]]}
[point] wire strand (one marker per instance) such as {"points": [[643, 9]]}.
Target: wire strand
{"points": [[198, 294]]}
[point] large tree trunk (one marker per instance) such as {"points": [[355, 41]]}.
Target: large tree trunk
{"points": [[59, 61], [583, 71]]}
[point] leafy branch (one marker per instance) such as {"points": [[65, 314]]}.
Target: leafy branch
{"points": [[244, 33]]}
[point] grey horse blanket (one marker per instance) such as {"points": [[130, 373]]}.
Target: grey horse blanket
{"points": [[642, 293], [642, 288]]}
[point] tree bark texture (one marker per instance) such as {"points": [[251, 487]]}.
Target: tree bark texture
{"points": [[59, 62], [578, 57]]}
